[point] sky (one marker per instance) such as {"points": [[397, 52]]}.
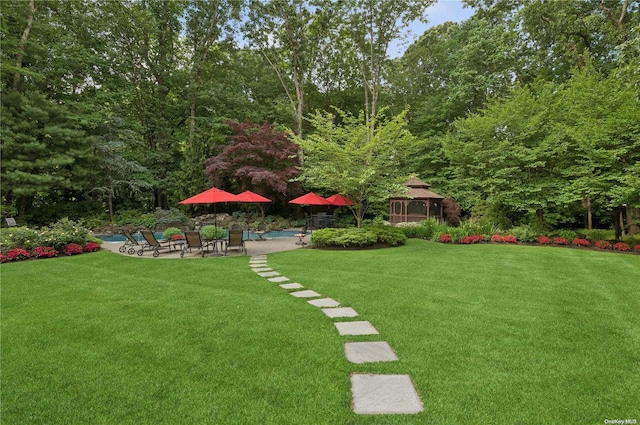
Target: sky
{"points": [[439, 13]]}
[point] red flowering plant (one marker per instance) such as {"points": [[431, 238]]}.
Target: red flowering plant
{"points": [[91, 247], [177, 237], [544, 240], [471, 239], [637, 248], [18, 254], [581, 242], [603, 244], [505, 239], [560, 241], [72, 249], [44, 252], [445, 238], [3, 258], [621, 246]]}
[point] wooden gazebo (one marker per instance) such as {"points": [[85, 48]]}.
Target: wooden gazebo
{"points": [[419, 203]]}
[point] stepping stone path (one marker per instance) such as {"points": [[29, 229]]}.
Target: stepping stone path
{"points": [[371, 394]]}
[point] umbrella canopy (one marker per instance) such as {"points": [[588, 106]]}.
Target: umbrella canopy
{"points": [[249, 196], [211, 196], [310, 199], [252, 197], [339, 200]]}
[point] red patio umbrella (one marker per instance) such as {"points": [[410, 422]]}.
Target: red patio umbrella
{"points": [[251, 197], [340, 200], [310, 199], [211, 196]]}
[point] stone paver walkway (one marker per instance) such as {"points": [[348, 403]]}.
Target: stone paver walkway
{"points": [[371, 394]]}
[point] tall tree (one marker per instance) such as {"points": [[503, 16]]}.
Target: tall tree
{"points": [[258, 158], [341, 155], [371, 26], [289, 34]]}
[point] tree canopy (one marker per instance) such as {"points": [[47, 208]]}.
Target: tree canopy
{"points": [[528, 107]]}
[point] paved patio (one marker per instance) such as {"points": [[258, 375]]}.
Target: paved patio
{"points": [[254, 248]]}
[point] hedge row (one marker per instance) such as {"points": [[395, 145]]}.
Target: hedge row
{"points": [[370, 236]]}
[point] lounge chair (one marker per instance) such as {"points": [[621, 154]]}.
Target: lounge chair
{"points": [[193, 240], [153, 244], [130, 243], [235, 241], [301, 235]]}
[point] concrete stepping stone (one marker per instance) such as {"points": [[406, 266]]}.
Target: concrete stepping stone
{"points": [[269, 274], [324, 302], [291, 286], [369, 352], [258, 257], [305, 294], [262, 269], [384, 394], [258, 264], [356, 328], [278, 279], [340, 312]]}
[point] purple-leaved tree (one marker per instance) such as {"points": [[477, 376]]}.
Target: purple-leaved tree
{"points": [[257, 158]]}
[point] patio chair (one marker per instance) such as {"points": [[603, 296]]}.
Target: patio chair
{"points": [[11, 222], [193, 240], [153, 244], [130, 243], [235, 241], [301, 235]]}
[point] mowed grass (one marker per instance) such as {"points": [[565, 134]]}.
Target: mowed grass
{"points": [[489, 334]]}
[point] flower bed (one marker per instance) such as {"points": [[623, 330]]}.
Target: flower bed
{"points": [[603, 245], [44, 252], [581, 242], [544, 240], [621, 246], [472, 239], [504, 239]]}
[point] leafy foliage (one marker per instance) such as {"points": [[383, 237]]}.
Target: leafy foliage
{"points": [[340, 157], [259, 158]]}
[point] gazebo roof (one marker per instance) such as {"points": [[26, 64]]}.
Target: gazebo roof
{"points": [[420, 190]]}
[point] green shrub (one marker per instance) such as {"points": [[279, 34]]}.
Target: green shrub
{"points": [[422, 229], [170, 231], [525, 233], [18, 237], [211, 232], [58, 235], [350, 237], [599, 234], [457, 233], [388, 235], [172, 215], [632, 240], [563, 233]]}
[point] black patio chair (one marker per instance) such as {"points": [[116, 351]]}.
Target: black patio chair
{"points": [[130, 243], [194, 240], [235, 241], [153, 244]]}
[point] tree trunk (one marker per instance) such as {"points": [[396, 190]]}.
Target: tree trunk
{"points": [[23, 42], [110, 204], [589, 215], [632, 220], [540, 214]]}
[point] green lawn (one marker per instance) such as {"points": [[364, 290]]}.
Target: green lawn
{"points": [[489, 334]]}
